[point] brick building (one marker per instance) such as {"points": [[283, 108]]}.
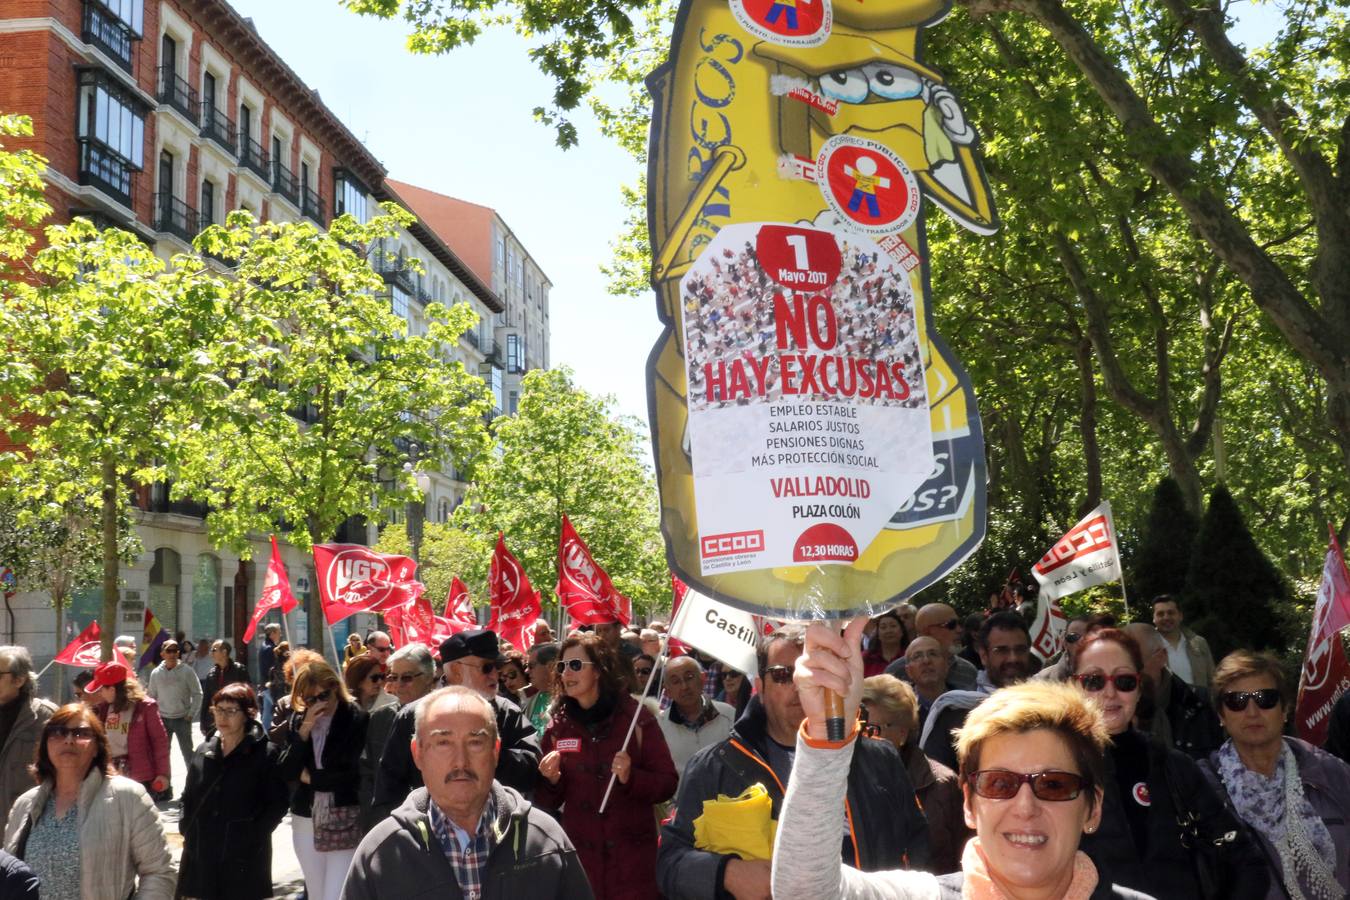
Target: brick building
{"points": [[159, 117]]}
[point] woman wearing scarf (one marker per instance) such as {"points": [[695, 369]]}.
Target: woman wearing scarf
{"points": [[1293, 795], [1031, 768], [582, 747], [321, 754]]}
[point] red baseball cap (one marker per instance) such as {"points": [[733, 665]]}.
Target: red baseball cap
{"points": [[107, 674]]}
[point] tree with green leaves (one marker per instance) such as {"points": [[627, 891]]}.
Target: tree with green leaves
{"points": [[1162, 556], [1234, 595], [447, 552], [566, 452], [319, 425]]}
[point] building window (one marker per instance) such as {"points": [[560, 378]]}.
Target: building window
{"points": [[350, 197], [515, 402], [501, 252], [515, 354], [112, 26], [245, 121], [128, 12], [208, 207], [111, 132], [398, 302]]}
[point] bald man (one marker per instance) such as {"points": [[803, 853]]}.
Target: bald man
{"points": [[939, 622], [1180, 717]]}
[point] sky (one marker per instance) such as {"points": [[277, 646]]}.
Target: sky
{"points": [[460, 124]]}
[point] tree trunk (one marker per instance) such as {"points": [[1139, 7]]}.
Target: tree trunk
{"points": [[108, 628], [58, 604], [1087, 426]]}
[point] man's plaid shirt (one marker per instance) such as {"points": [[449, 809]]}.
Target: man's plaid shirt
{"points": [[470, 863]]}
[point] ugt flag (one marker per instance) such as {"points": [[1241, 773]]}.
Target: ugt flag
{"points": [[276, 592], [413, 623], [355, 579], [1326, 674], [458, 605], [84, 651], [515, 603], [1086, 556], [584, 589]]}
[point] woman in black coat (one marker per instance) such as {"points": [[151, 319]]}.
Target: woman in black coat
{"points": [[233, 801], [321, 757], [1150, 791]]}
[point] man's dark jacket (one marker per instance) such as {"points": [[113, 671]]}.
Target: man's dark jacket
{"points": [[886, 830], [517, 765], [532, 858], [216, 679]]}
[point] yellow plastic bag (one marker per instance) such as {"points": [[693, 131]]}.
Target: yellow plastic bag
{"points": [[743, 826]]}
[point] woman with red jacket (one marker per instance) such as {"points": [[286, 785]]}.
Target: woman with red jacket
{"points": [[138, 745], [582, 748]]}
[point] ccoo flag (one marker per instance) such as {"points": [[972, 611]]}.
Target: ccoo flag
{"points": [[355, 579], [584, 589], [515, 603], [1086, 556], [276, 592], [721, 631], [1326, 673]]}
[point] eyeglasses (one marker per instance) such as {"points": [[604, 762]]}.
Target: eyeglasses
{"points": [[1000, 784], [575, 665], [1125, 682], [1266, 698], [227, 711], [378, 649], [62, 733], [644, 672], [951, 625], [405, 678], [376, 677], [1073, 637], [778, 674], [486, 668], [319, 697], [169, 652]]}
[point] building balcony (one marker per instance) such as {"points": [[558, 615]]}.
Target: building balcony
{"points": [[102, 28], [106, 169], [311, 204], [394, 270], [285, 183], [472, 337], [495, 357], [218, 127], [254, 158], [173, 216], [177, 94]]}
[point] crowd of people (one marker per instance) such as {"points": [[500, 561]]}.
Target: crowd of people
{"points": [[1132, 765], [729, 311]]}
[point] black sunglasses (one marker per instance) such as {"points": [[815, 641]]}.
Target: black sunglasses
{"points": [[406, 678], [1073, 637], [486, 668], [1000, 784], [173, 652], [376, 677], [1266, 698], [573, 664], [642, 672], [951, 625], [319, 697], [62, 733], [779, 674], [1125, 682]]}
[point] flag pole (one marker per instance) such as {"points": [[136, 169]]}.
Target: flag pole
{"points": [[44, 670], [660, 661], [332, 639], [1123, 595]]}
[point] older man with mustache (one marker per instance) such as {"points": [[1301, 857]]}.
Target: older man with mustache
{"points": [[497, 844]]}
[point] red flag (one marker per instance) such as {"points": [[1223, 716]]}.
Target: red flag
{"points": [[276, 592], [1326, 673], [583, 587], [515, 604], [85, 651], [674, 646], [355, 579], [413, 623], [458, 606]]}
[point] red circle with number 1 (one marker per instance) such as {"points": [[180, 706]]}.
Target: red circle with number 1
{"points": [[801, 259], [867, 185]]}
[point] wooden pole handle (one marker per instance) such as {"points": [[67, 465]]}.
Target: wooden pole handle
{"points": [[834, 716]]}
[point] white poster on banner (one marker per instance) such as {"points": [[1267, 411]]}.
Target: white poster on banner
{"points": [[718, 630], [808, 411], [1086, 556]]}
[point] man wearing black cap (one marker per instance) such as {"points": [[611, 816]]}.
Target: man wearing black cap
{"points": [[470, 659]]}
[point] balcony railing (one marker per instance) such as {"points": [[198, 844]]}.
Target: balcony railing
{"points": [[108, 33], [394, 269], [175, 217], [177, 94], [494, 356], [106, 169], [218, 127], [254, 158], [472, 337], [284, 182], [311, 204]]}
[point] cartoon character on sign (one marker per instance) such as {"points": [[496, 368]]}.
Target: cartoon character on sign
{"points": [[846, 133]]}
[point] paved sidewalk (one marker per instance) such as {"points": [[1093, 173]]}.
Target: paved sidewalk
{"points": [[286, 876]]}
